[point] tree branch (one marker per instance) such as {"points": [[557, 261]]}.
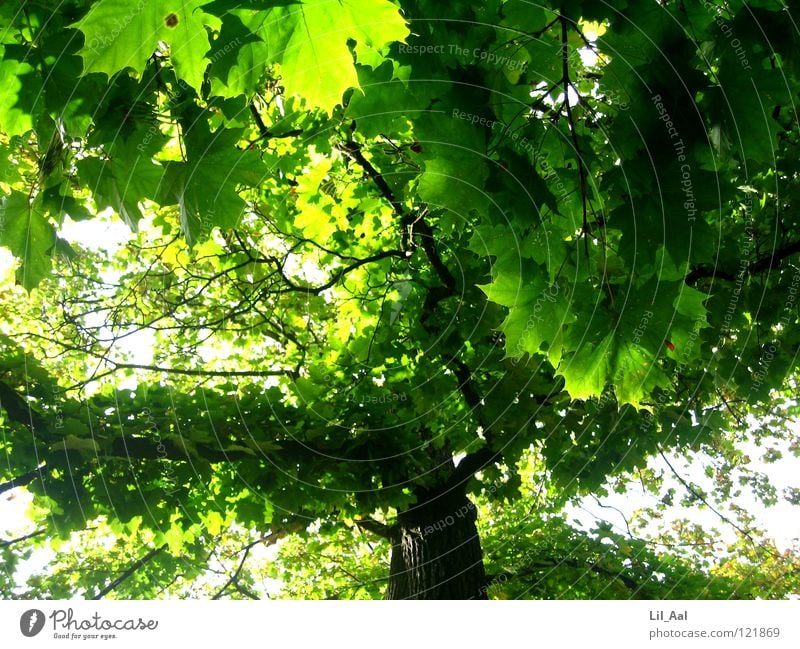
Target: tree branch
{"points": [[22, 480], [466, 384], [377, 528], [235, 576], [244, 591], [745, 533], [354, 150], [127, 574], [476, 461], [337, 275], [471, 464], [5, 544], [264, 132], [766, 262], [581, 168], [189, 372], [292, 526], [407, 220], [428, 244], [770, 261], [19, 409]]}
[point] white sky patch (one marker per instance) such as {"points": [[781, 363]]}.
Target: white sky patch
{"points": [[13, 507], [137, 345], [15, 524], [107, 233], [215, 351], [552, 101], [261, 554], [588, 57], [780, 521], [296, 266], [6, 261], [103, 232]]}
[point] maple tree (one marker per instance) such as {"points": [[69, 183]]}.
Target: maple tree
{"points": [[397, 274]]}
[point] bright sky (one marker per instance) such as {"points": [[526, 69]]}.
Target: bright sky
{"points": [[781, 520]]}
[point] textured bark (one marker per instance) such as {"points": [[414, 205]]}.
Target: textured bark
{"points": [[436, 551]]}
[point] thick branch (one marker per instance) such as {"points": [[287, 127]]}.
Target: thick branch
{"points": [[706, 271], [429, 246], [466, 384], [355, 152], [377, 528], [19, 409], [21, 480], [145, 448], [164, 448], [476, 461], [471, 464], [772, 260]]}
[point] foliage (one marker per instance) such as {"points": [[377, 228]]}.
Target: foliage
{"points": [[379, 247]]}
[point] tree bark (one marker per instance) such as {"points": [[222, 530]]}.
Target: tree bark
{"points": [[436, 551]]}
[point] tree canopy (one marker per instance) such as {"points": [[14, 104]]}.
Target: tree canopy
{"points": [[401, 283]]}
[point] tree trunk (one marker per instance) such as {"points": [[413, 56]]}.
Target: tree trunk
{"points": [[436, 551]]}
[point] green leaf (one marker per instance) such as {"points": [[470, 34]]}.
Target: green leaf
{"points": [[515, 289], [385, 102], [214, 522], [83, 446], [309, 41], [126, 178], [237, 59], [455, 167], [636, 374], [205, 187], [26, 231], [174, 538], [586, 371], [21, 89], [120, 34]]}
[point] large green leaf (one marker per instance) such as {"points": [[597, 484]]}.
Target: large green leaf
{"points": [[119, 34], [310, 41], [205, 187], [20, 88], [127, 177], [238, 59], [455, 166], [26, 231], [591, 341]]}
